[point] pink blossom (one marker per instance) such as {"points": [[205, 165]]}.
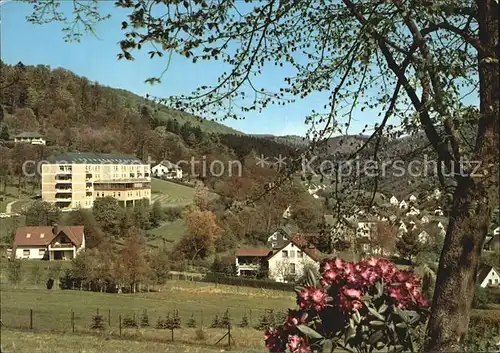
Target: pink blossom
{"points": [[297, 344], [274, 340], [294, 318], [353, 293], [312, 298], [349, 299]]}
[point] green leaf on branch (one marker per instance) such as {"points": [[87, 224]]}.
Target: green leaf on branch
{"points": [[376, 323], [328, 346], [309, 331], [376, 337]]}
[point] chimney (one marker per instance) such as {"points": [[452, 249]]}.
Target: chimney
{"points": [[55, 229]]}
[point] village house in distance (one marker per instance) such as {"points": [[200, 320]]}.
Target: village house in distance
{"points": [[33, 138], [75, 180], [48, 243], [284, 264], [167, 170]]}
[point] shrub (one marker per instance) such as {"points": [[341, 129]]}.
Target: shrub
{"points": [[14, 271], [97, 322], [191, 323], [216, 322], [360, 306], [244, 321], [172, 213], [129, 322], [226, 320], [145, 319], [482, 297], [200, 335], [264, 321], [161, 324]]}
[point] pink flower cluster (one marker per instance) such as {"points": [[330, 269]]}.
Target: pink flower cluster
{"points": [[354, 280], [278, 338], [312, 298], [347, 283]]}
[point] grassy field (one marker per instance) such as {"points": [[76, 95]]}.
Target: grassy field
{"points": [[45, 342], [201, 301], [172, 232], [171, 194]]}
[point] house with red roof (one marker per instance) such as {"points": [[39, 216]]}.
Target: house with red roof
{"points": [[284, 264], [48, 242]]}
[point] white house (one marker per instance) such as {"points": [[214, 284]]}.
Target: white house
{"points": [[287, 213], [488, 277], [402, 228], [249, 262], [394, 201], [403, 205], [288, 263], [167, 169], [496, 231], [413, 212], [32, 138], [440, 225], [366, 229], [424, 219], [438, 212], [48, 243], [423, 237], [277, 239], [413, 198]]}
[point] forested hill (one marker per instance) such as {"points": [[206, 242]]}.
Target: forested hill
{"points": [[75, 114]]}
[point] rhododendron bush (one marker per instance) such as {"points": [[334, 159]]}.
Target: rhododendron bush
{"points": [[358, 307]]}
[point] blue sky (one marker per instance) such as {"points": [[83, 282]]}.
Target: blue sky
{"points": [[96, 59]]}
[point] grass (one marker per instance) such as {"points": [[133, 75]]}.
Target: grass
{"points": [[52, 310], [172, 232], [171, 194], [45, 342]]}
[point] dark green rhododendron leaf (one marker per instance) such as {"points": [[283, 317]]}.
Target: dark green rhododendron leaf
{"points": [[309, 331], [328, 346], [376, 337]]}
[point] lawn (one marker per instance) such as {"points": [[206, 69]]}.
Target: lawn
{"points": [[172, 232], [45, 342], [201, 301], [171, 194]]}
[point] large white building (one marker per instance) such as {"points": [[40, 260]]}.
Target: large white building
{"points": [[75, 180]]}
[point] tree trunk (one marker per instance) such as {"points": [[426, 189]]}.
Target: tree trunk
{"points": [[472, 206]]}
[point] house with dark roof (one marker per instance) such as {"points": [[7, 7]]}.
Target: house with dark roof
{"points": [[288, 263], [33, 138], [487, 276], [167, 169], [48, 243], [252, 262]]}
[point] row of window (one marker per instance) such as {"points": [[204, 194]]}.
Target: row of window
{"points": [[41, 252], [124, 168], [291, 253], [129, 193]]}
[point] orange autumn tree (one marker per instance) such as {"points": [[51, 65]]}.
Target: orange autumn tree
{"points": [[201, 234]]}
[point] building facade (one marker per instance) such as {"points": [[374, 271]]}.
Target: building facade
{"points": [[32, 138], [167, 170], [75, 180], [48, 243]]}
